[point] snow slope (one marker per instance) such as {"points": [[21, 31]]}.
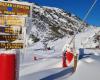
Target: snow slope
{"points": [[51, 69], [88, 68], [85, 39], [48, 65]]}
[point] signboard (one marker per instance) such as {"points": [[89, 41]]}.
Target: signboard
{"points": [[11, 30], [8, 37], [11, 45], [8, 8], [12, 20]]}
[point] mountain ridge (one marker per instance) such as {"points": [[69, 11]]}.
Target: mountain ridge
{"points": [[50, 23]]}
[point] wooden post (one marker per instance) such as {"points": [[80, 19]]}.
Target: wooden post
{"points": [[75, 55], [75, 61]]}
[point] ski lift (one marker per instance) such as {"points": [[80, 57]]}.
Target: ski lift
{"points": [[73, 38]]}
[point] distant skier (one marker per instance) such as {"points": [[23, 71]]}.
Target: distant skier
{"points": [[48, 48], [35, 58]]}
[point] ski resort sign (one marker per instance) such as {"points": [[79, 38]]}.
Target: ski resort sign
{"points": [[11, 45], [9, 8], [12, 20], [12, 31], [13, 25]]}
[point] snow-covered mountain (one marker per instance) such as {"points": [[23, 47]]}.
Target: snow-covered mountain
{"points": [[51, 23], [87, 39]]}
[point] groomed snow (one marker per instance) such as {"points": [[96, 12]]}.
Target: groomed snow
{"points": [[48, 65], [88, 69]]}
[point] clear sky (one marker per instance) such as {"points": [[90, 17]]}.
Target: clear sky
{"points": [[77, 7]]}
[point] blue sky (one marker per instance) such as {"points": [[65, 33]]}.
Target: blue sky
{"points": [[77, 7]]}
